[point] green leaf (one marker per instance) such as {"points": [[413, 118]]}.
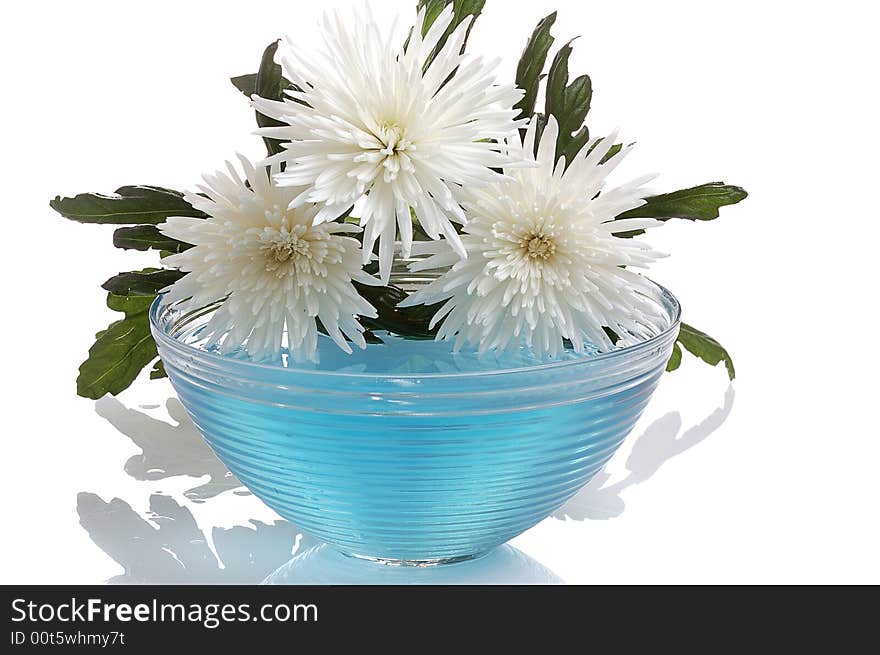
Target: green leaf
{"points": [[675, 360], [613, 150], [247, 84], [577, 142], [531, 65], [569, 103], [461, 9], [433, 9], [369, 337], [131, 205], [147, 237], [540, 121], [611, 334], [146, 282], [130, 305], [270, 84], [158, 370], [410, 322], [699, 203], [705, 347], [120, 352]]}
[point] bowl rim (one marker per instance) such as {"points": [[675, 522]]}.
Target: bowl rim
{"points": [[611, 355]]}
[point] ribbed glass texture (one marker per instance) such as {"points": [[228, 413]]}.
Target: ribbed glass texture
{"points": [[414, 467]]}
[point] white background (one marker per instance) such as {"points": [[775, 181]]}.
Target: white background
{"points": [[779, 97]]}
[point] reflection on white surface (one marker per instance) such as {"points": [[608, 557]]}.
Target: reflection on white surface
{"points": [[167, 545], [659, 443], [169, 548], [322, 565], [168, 450]]}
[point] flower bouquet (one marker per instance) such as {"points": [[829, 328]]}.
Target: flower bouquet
{"points": [[416, 327]]}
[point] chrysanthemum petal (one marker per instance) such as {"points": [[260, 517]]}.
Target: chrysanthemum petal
{"points": [[542, 263], [370, 122], [275, 270]]}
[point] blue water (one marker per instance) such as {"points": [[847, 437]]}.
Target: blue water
{"points": [[380, 456], [403, 356]]}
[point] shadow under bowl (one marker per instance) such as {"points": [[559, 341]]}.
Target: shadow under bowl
{"points": [[414, 468], [323, 565]]}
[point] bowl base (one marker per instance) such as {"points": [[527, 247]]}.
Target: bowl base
{"points": [[325, 565], [416, 563]]}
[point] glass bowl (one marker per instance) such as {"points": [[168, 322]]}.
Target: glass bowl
{"points": [[414, 468]]}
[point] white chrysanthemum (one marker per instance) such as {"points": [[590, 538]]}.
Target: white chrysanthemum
{"points": [[277, 271], [543, 263], [370, 127]]}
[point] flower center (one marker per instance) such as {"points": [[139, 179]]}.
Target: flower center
{"points": [[393, 137], [278, 245], [538, 246]]}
